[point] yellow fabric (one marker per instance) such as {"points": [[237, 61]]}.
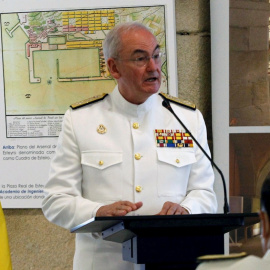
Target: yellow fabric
{"points": [[5, 260]]}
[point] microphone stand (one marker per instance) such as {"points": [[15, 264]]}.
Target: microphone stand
{"points": [[226, 208]]}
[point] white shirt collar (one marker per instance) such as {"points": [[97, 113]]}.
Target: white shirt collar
{"points": [[128, 108]]}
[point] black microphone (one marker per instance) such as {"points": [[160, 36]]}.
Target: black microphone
{"points": [[226, 208]]}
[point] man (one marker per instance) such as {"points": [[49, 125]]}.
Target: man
{"points": [[250, 262], [108, 162]]}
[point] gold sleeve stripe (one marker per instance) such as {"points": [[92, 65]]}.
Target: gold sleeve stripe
{"points": [[222, 257]]}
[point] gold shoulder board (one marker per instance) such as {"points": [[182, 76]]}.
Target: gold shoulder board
{"points": [[88, 101], [178, 101], [221, 257]]}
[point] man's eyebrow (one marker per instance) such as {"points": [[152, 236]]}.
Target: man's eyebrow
{"points": [[143, 51], [157, 47]]}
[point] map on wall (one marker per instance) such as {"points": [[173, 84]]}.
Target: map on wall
{"points": [[55, 58]]}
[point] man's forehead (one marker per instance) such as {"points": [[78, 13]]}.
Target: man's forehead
{"points": [[138, 41], [138, 35]]}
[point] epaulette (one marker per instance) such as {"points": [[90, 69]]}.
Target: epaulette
{"points": [[216, 257], [178, 101], [88, 101]]}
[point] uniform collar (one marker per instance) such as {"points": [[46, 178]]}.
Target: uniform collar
{"points": [[126, 107]]}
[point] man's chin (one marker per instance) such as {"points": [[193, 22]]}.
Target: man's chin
{"points": [[152, 90]]}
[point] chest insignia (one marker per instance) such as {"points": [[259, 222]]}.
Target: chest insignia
{"points": [[172, 138], [101, 129]]}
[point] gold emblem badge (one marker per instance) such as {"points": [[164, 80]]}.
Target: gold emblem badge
{"points": [[101, 129]]}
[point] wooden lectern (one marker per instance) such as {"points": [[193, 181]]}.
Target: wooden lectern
{"points": [[167, 242]]}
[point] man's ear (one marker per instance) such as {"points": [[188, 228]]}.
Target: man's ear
{"points": [[112, 66], [265, 224]]}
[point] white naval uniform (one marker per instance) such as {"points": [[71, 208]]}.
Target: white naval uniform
{"points": [[78, 185], [248, 263]]}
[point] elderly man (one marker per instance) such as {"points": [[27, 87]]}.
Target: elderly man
{"points": [[125, 154], [250, 262]]}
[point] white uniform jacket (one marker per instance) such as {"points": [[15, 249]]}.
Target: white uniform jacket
{"points": [[78, 184], [248, 263]]}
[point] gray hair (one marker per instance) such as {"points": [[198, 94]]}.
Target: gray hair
{"points": [[112, 42]]}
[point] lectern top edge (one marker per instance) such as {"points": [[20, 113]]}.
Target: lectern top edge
{"points": [[99, 224]]}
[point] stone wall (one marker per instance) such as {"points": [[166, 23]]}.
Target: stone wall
{"points": [[37, 244], [194, 55], [249, 86]]}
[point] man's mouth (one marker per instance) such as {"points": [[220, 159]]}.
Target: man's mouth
{"points": [[152, 79]]}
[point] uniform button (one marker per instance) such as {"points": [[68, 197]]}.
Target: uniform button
{"points": [[177, 160], [138, 188], [101, 162], [136, 125], [138, 156]]}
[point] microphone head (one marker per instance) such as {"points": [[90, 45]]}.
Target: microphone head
{"points": [[166, 104]]}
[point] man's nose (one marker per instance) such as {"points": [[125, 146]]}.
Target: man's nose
{"points": [[152, 65]]}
